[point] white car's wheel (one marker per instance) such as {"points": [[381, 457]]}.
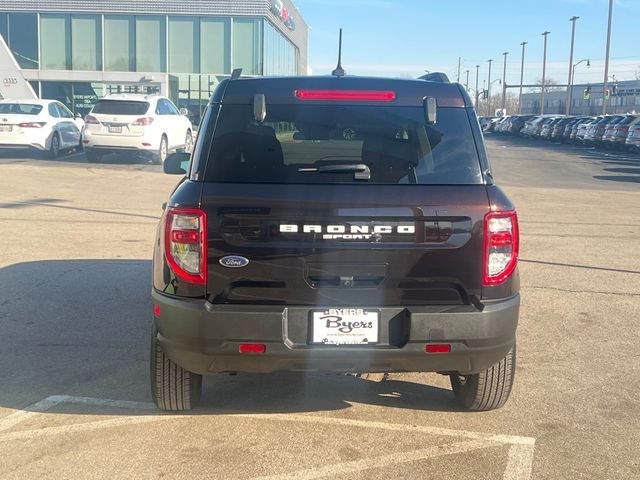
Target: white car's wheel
{"points": [[188, 142], [54, 150], [163, 151]]}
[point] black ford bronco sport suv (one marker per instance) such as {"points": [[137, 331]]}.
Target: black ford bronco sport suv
{"points": [[340, 225]]}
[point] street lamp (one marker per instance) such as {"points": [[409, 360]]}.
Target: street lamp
{"points": [[606, 61], [544, 72], [467, 84], [489, 90], [521, 78], [477, 92], [504, 82], [571, 82]]}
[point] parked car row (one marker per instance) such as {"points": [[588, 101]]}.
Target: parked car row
{"points": [[147, 126], [609, 131]]}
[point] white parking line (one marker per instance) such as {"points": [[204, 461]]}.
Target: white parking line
{"points": [[519, 461], [384, 461]]}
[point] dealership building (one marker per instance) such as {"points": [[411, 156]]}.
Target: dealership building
{"points": [[76, 52]]}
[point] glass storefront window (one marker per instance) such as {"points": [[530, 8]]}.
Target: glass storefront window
{"points": [[86, 42], [247, 45], [55, 42], [184, 45], [215, 45], [119, 45], [151, 52], [23, 38], [279, 53]]}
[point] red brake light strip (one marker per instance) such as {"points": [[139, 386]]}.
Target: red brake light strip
{"points": [[347, 95]]}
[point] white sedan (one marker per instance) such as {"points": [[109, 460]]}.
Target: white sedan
{"points": [[146, 125], [45, 125]]}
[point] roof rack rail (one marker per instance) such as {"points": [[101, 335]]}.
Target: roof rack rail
{"points": [[435, 77]]}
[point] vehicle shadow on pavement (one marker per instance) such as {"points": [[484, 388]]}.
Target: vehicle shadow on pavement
{"points": [[81, 328]]}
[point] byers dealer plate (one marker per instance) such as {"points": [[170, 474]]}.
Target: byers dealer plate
{"points": [[345, 326]]}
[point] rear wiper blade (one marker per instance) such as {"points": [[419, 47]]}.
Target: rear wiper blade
{"points": [[360, 170]]}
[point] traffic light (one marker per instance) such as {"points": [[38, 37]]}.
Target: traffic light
{"points": [[587, 93], [607, 94], [485, 94]]}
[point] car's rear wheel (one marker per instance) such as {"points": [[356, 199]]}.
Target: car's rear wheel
{"points": [[172, 387], [163, 151], [488, 389], [54, 150], [188, 142]]}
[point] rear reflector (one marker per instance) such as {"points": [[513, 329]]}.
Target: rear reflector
{"points": [[438, 348], [347, 95], [156, 311], [252, 348]]}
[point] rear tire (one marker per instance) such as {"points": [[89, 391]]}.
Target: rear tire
{"points": [[54, 151], [188, 142], [163, 151], [488, 389], [173, 388]]}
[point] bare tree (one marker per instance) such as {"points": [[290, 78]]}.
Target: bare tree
{"points": [[549, 86], [511, 104]]}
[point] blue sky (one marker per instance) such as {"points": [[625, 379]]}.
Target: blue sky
{"points": [[405, 37]]}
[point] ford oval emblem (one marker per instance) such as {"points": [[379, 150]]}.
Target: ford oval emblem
{"points": [[234, 261]]}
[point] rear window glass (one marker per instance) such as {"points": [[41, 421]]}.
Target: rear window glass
{"points": [[345, 144], [20, 108], [121, 107]]}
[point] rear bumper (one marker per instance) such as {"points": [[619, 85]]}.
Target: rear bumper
{"points": [[204, 338]]}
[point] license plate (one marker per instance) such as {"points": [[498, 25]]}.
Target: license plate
{"points": [[115, 129], [6, 128], [345, 326]]}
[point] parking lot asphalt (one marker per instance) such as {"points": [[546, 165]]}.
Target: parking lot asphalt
{"points": [[75, 320]]}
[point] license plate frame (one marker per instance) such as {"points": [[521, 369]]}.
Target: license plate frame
{"points": [[6, 128], [115, 129], [344, 326]]}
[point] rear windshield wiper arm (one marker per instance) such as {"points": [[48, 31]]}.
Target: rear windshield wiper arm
{"points": [[360, 170]]}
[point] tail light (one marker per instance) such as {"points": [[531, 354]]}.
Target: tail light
{"points": [[501, 242], [141, 122], [186, 244], [32, 124], [91, 120]]}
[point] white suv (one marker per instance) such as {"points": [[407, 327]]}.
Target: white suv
{"points": [[149, 125]]}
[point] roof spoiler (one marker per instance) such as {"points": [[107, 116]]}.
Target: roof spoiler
{"points": [[435, 77]]}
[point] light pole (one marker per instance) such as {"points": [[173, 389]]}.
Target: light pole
{"points": [[489, 90], [606, 61], [467, 84], [477, 92], [459, 60], [544, 72], [521, 78], [573, 78], [504, 82], [570, 82]]}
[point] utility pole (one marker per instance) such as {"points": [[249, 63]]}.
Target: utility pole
{"points": [[477, 92], [544, 72], [606, 61], [521, 79], [467, 84], [459, 62], [489, 90], [570, 81], [504, 82]]}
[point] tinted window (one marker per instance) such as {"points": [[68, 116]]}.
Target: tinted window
{"points": [[53, 111], [64, 111], [23, 38], [20, 108], [121, 107], [311, 143]]}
